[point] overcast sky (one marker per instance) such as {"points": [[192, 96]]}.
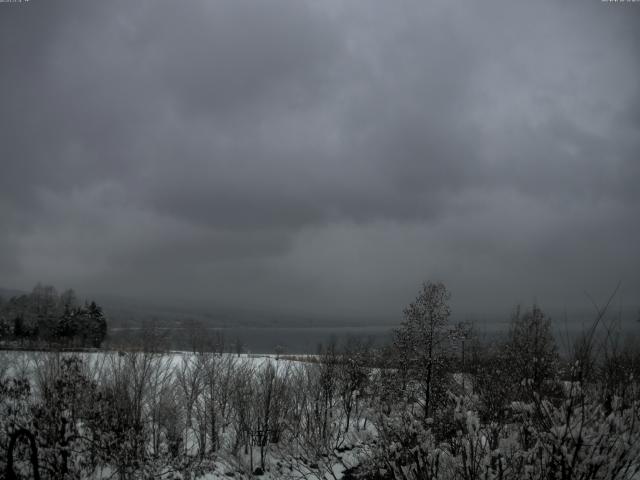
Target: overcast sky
{"points": [[322, 156]]}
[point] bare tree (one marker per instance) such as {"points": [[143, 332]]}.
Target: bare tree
{"points": [[215, 403], [189, 375], [352, 378], [531, 351]]}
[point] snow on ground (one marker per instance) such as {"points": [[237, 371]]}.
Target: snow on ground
{"points": [[23, 363]]}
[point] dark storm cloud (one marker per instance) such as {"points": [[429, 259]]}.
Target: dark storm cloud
{"points": [[321, 155]]}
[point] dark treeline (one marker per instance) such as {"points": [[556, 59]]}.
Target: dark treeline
{"points": [[46, 318], [436, 403]]}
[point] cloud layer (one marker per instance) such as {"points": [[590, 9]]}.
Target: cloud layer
{"points": [[321, 156]]}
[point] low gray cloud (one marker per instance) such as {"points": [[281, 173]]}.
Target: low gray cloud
{"points": [[321, 156]]}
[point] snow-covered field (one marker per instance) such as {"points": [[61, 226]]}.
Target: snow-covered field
{"points": [[183, 376], [17, 363]]}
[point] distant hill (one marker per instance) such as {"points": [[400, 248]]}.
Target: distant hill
{"points": [[130, 312], [7, 293]]}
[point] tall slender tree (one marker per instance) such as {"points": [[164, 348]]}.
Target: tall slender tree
{"points": [[424, 342]]}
